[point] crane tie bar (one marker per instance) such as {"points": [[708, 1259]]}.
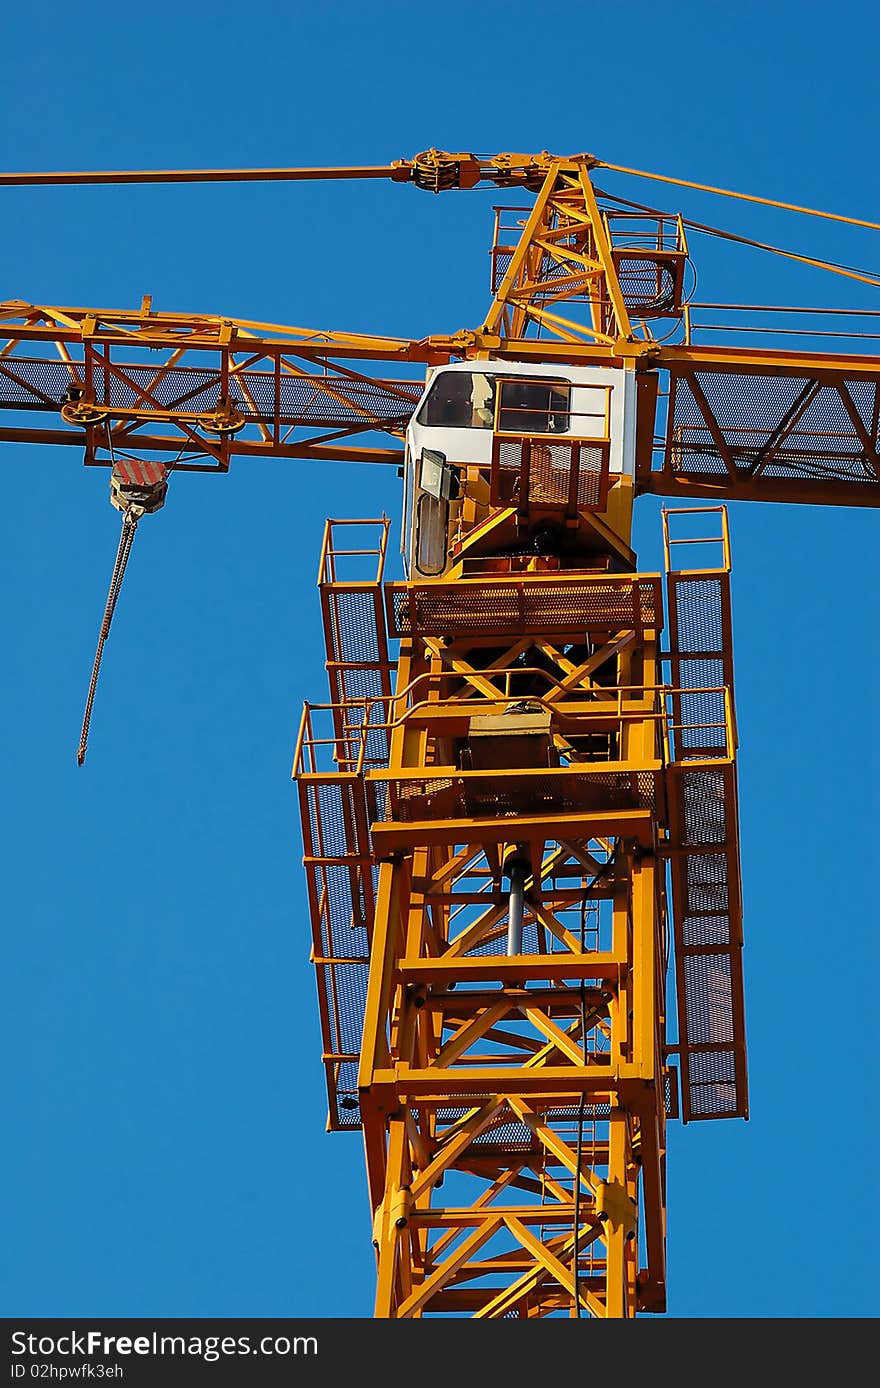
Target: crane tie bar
{"points": [[126, 538]]}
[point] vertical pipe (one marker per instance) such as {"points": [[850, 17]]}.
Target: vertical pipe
{"points": [[515, 908]]}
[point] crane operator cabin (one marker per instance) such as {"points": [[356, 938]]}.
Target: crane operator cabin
{"points": [[544, 441]]}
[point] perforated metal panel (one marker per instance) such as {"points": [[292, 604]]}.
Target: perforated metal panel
{"points": [[498, 608], [707, 913], [564, 791], [341, 889], [34, 383], [358, 667], [566, 474], [748, 427], [650, 286]]}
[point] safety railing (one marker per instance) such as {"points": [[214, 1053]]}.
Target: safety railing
{"points": [[567, 474], [708, 734], [650, 253], [646, 231], [546, 454], [350, 575], [506, 235], [337, 560], [696, 542], [541, 406], [711, 738], [336, 737]]}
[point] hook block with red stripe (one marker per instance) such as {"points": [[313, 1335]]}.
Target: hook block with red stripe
{"points": [[138, 485]]}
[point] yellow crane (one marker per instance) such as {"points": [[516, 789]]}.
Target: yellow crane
{"points": [[519, 799]]}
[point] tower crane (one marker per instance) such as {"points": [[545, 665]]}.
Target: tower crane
{"points": [[519, 799]]}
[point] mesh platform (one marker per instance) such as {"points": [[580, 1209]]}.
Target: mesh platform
{"points": [[544, 606]]}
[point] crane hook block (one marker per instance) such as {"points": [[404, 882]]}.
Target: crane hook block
{"points": [[138, 486]]}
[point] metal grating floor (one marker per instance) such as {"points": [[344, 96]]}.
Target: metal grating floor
{"points": [[497, 608]]}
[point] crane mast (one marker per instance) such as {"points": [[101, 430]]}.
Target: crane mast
{"points": [[519, 799], [487, 832]]}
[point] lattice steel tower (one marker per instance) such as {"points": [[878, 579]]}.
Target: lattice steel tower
{"points": [[519, 801], [492, 821]]}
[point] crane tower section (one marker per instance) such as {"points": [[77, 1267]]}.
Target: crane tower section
{"points": [[517, 802]]}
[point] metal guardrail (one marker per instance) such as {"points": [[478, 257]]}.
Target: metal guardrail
{"points": [[349, 750]]}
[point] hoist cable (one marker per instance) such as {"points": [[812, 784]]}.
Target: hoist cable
{"points": [[126, 538]]}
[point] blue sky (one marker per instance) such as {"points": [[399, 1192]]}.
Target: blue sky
{"points": [[164, 1104]]}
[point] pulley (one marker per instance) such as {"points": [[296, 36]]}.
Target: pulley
{"points": [[78, 408], [437, 172], [224, 420]]}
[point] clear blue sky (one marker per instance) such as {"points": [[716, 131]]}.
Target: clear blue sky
{"points": [[163, 1101]]}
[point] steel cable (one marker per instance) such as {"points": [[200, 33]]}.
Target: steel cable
{"points": [[126, 538], [741, 197]]}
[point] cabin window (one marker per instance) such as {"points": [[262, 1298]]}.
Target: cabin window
{"points": [[460, 400], [466, 400], [533, 407], [432, 524]]}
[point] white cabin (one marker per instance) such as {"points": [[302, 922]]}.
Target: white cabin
{"points": [[466, 406]]}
